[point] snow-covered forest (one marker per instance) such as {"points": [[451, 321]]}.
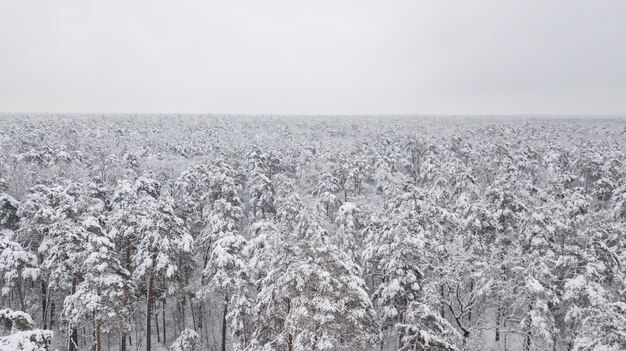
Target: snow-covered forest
{"points": [[272, 233]]}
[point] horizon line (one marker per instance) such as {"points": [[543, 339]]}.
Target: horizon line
{"points": [[231, 114]]}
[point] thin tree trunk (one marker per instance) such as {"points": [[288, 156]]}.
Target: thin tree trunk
{"points": [[123, 342], [74, 334], [289, 336], [469, 314], [506, 346], [126, 290], [498, 320], [200, 317], [163, 315], [466, 331], [193, 315], [183, 313], [50, 306], [156, 320], [73, 340], [443, 305], [149, 306], [466, 335], [401, 334], [44, 304], [206, 260], [224, 323], [528, 340], [53, 307], [72, 343]]}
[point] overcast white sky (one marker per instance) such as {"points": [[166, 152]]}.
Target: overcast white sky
{"points": [[314, 57]]}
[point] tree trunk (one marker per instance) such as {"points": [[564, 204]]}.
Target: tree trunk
{"points": [[469, 314], [206, 259], [123, 342], [149, 306], [200, 316], [183, 313], [74, 334], [224, 323], [466, 335], [53, 307], [126, 290], [498, 320], [401, 333], [506, 346], [466, 332], [443, 305], [192, 310], [527, 343], [20, 295], [289, 336], [98, 338], [73, 341], [163, 316], [156, 319], [44, 304]]}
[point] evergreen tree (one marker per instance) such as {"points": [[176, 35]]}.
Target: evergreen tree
{"points": [[17, 267], [101, 295]]}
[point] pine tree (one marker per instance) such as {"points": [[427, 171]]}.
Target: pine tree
{"points": [[101, 295], [123, 224], [395, 248], [8, 212], [224, 268], [424, 328], [188, 340], [227, 274], [326, 191], [17, 267], [348, 234], [163, 239], [53, 215], [312, 298], [261, 194]]}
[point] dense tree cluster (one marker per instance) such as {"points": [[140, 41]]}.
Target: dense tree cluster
{"points": [[267, 233]]}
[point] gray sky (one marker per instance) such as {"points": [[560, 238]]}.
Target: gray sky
{"points": [[314, 57]]}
